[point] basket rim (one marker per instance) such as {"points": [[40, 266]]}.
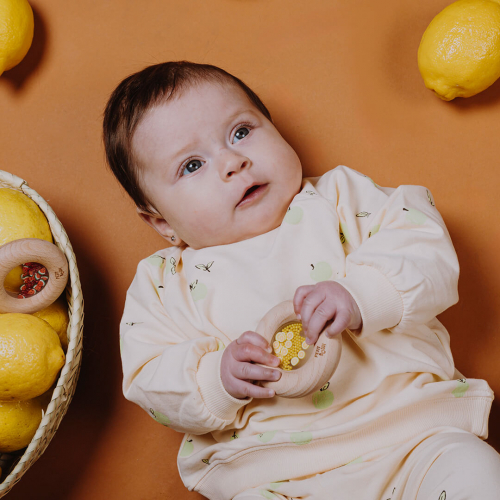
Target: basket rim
{"points": [[68, 376]]}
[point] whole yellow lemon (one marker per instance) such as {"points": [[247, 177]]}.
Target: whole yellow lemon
{"points": [[20, 217], [56, 315], [19, 421], [16, 32], [30, 356], [459, 54]]}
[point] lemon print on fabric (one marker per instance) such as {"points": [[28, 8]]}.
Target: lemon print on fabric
{"points": [[372, 181], [321, 271], [265, 437], [156, 260], [303, 437], [267, 494], [344, 233], [157, 284], [323, 398], [461, 388], [198, 290], [205, 267], [275, 486], [355, 461], [294, 215], [187, 448], [220, 345], [159, 417], [373, 230], [415, 216], [442, 496], [172, 265], [459, 53], [429, 197], [234, 436]]}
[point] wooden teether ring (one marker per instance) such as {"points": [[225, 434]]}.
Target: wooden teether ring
{"points": [[32, 250], [314, 372]]}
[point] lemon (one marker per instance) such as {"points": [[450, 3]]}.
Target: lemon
{"points": [[20, 217], [19, 421], [30, 356], [459, 54], [16, 32], [13, 281], [56, 315]]}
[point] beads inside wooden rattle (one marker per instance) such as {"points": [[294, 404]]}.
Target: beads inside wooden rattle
{"points": [[289, 345]]}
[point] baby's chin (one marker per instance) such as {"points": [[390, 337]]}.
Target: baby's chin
{"points": [[230, 239]]}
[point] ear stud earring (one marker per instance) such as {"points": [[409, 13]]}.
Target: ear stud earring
{"points": [[173, 238]]}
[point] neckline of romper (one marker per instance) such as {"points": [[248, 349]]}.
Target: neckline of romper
{"points": [[253, 245]]}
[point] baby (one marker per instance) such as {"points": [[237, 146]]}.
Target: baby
{"points": [[199, 154]]}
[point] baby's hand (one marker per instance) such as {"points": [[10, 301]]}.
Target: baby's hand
{"points": [[238, 371], [317, 304]]}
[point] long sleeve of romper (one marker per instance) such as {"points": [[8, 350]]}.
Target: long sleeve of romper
{"points": [[401, 266], [173, 377]]}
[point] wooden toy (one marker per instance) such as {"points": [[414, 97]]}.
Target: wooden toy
{"points": [[300, 374], [43, 252]]}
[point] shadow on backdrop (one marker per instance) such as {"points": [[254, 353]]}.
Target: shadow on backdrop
{"points": [[461, 320], [90, 411]]}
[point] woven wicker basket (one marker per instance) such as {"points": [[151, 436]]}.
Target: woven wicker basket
{"points": [[66, 382]]}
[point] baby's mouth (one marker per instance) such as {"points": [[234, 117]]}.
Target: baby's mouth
{"points": [[252, 193]]}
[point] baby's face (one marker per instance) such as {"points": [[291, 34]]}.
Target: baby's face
{"points": [[198, 155]]}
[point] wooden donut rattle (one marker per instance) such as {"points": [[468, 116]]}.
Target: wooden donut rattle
{"points": [[318, 362], [43, 252]]}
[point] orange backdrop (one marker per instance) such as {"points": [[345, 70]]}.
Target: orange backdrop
{"points": [[342, 83]]}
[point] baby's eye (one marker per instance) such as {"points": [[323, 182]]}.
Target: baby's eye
{"points": [[192, 166], [241, 133]]}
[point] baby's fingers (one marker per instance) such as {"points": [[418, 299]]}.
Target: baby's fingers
{"points": [[340, 323], [309, 305], [249, 352], [255, 339], [319, 319], [247, 390], [298, 299], [250, 371]]}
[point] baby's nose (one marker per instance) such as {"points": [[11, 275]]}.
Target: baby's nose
{"points": [[232, 164]]}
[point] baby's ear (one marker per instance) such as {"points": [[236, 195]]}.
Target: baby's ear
{"points": [[160, 225]]}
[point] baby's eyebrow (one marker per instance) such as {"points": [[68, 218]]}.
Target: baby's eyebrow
{"points": [[184, 150], [242, 112]]}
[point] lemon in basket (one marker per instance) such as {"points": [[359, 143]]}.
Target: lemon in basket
{"points": [[30, 356], [56, 315], [16, 32], [459, 53], [19, 421], [20, 217]]}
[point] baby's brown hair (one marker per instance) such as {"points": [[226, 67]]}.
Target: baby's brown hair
{"points": [[139, 92]]}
